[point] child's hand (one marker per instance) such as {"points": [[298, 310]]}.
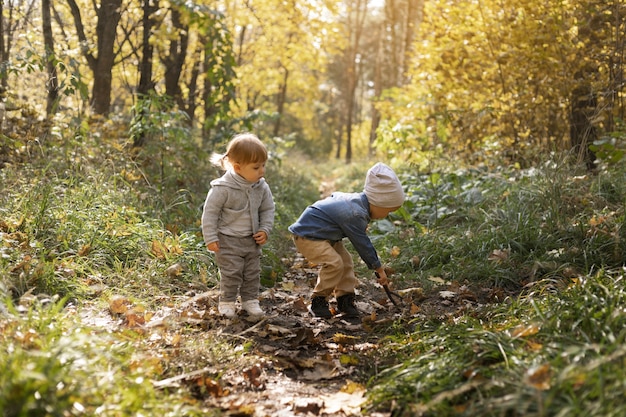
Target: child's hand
{"points": [[260, 238], [213, 246], [382, 276]]}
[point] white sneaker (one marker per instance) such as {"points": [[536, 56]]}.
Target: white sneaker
{"points": [[227, 309], [252, 307]]}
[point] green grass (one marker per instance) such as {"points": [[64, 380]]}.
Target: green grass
{"points": [[79, 228], [544, 353]]}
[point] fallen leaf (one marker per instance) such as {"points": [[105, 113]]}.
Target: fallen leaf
{"points": [[437, 280], [84, 250], [308, 406], [447, 295], [395, 252], [134, 318], [344, 339], [288, 286], [211, 386], [539, 377], [119, 304], [414, 291], [414, 309], [342, 403], [300, 305], [253, 375], [525, 330], [174, 271], [304, 335], [352, 387], [499, 255], [346, 360]]}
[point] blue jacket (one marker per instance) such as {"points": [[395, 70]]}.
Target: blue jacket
{"points": [[336, 217]]}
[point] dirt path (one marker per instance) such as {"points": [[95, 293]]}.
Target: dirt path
{"points": [[289, 363]]}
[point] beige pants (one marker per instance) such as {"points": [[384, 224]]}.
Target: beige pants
{"points": [[337, 268]]}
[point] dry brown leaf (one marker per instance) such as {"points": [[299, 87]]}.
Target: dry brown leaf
{"points": [[414, 308], [119, 304], [304, 335], [308, 406], [253, 376], [499, 255], [539, 377], [174, 271], [134, 318], [300, 305], [211, 386], [395, 252], [84, 250]]}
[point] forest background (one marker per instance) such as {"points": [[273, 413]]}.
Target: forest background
{"points": [[407, 78], [505, 122]]}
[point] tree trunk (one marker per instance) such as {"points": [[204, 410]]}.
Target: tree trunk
{"points": [[53, 82], [280, 105], [358, 13], [146, 83], [106, 30], [176, 58], [583, 107], [3, 55], [378, 89]]}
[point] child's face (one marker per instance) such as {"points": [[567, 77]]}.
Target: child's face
{"points": [[377, 213], [251, 172]]}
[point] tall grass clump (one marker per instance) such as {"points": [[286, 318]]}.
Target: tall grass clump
{"points": [[556, 354]]}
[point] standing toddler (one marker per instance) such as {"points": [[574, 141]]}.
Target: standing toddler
{"points": [[237, 219]]}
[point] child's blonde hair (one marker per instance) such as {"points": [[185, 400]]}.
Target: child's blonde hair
{"points": [[244, 148]]}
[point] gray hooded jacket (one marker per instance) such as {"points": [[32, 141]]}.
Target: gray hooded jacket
{"points": [[237, 207]]}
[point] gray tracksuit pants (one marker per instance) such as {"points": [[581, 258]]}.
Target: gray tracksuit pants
{"points": [[239, 261]]}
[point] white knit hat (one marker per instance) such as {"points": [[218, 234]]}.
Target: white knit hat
{"points": [[382, 187]]}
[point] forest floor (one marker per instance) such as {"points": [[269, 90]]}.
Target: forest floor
{"points": [[288, 363]]}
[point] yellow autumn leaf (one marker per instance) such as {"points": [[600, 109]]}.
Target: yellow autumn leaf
{"points": [[437, 280], [288, 285], [395, 252], [346, 360], [130, 176], [344, 339], [158, 249], [351, 387], [525, 330]]}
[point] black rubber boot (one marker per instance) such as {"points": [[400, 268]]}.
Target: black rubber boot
{"points": [[345, 304], [319, 307]]}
